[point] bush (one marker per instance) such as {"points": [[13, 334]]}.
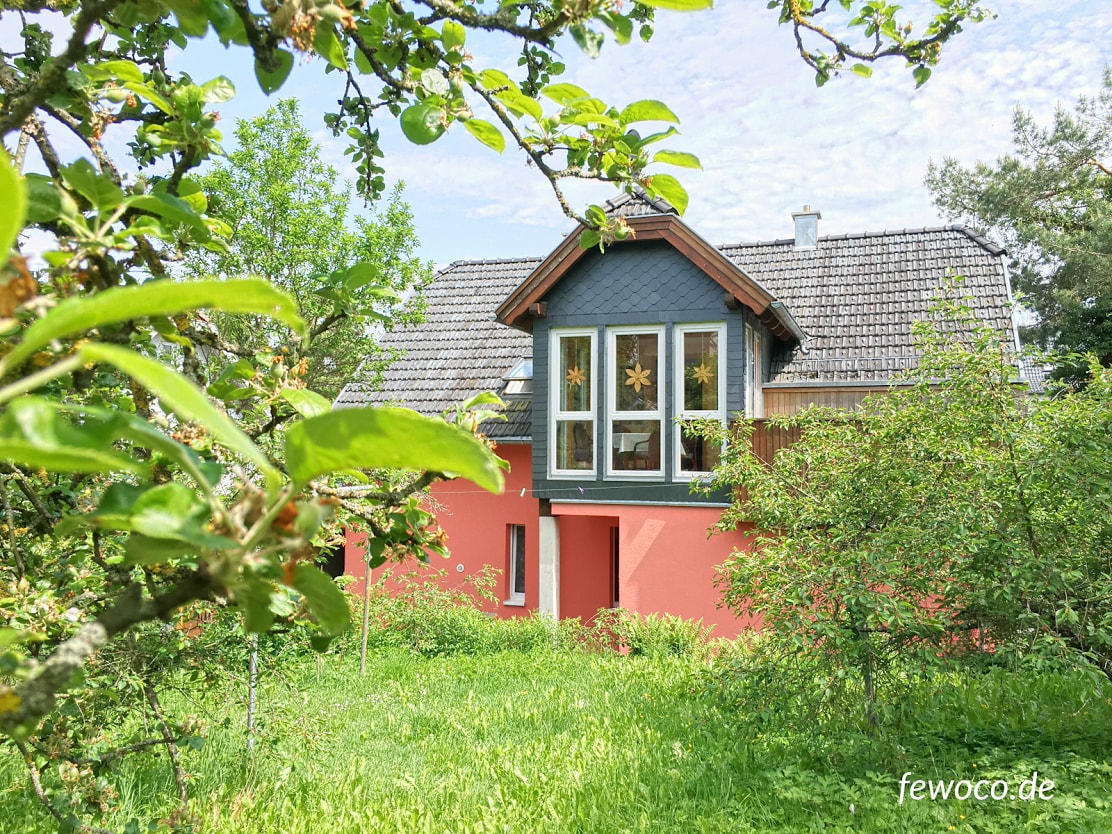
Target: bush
{"points": [[655, 635]]}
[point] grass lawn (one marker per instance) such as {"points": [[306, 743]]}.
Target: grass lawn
{"points": [[564, 742]]}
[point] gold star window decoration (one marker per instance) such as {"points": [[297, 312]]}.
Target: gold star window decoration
{"points": [[702, 373], [575, 376], [638, 378]]}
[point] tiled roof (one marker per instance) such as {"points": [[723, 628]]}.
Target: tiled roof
{"points": [[459, 350], [855, 296], [637, 204]]}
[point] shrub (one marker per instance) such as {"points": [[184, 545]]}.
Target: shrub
{"points": [[656, 635]]}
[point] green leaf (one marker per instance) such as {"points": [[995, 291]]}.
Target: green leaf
{"points": [[391, 438], [124, 426], [679, 158], [174, 511], [647, 110], [520, 104], [79, 314], [12, 636], [192, 17], [422, 124], [670, 189], [328, 46], [143, 550], [150, 94], [921, 74], [272, 81], [94, 186], [492, 79], [112, 70], [253, 598], [326, 601], [44, 203], [33, 433], [320, 642], [678, 5], [864, 70], [171, 208], [13, 197], [305, 402], [564, 93], [220, 89], [486, 133], [453, 36], [187, 401], [590, 238], [596, 215], [619, 24], [589, 40]]}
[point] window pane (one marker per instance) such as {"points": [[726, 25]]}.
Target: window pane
{"points": [[635, 445], [700, 371], [575, 373], [696, 454], [575, 444], [517, 544], [635, 371]]}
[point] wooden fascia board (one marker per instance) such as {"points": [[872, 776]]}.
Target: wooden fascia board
{"points": [[667, 227]]}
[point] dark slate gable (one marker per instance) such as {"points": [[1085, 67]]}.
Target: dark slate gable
{"points": [[459, 350], [855, 296]]}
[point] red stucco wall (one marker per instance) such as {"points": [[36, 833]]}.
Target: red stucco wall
{"points": [[476, 523], [585, 567], [666, 562]]}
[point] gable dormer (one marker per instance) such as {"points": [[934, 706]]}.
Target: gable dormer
{"points": [[659, 327]]}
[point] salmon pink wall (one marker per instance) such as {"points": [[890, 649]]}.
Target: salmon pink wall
{"points": [[585, 566], [476, 523], [666, 562]]}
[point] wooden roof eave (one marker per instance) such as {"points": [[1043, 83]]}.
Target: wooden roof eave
{"points": [[515, 310]]}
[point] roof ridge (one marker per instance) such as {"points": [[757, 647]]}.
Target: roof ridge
{"points": [[968, 231], [489, 261]]}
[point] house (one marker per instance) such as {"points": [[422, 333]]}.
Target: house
{"points": [[598, 354]]}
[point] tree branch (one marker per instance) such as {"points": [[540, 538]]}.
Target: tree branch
{"points": [[38, 693], [53, 75], [40, 792]]}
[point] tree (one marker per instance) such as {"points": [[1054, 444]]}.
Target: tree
{"points": [[1050, 202], [118, 472], [945, 516], [290, 224]]}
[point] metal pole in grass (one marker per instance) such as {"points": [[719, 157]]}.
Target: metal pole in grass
{"points": [[366, 613], [252, 686]]}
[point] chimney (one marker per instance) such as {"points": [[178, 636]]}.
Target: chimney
{"points": [[806, 228]]}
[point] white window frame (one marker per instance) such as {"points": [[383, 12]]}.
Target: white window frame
{"points": [[557, 414], [754, 395], [514, 597], [610, 368], [682, 413]]}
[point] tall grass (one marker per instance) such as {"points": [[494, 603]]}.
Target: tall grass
{"points": [[552, 740]]}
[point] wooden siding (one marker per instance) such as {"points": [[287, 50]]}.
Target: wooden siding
{"points": [[767, 438], [791, 400]]}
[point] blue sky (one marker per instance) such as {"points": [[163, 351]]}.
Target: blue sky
{"points": [[770, 141]]}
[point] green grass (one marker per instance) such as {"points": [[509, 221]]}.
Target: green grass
{"points": [[566, 742]]}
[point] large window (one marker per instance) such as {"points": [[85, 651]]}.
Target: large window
{"points": [[700, 353], [635, 416], [516, 564], [573, 399]]}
